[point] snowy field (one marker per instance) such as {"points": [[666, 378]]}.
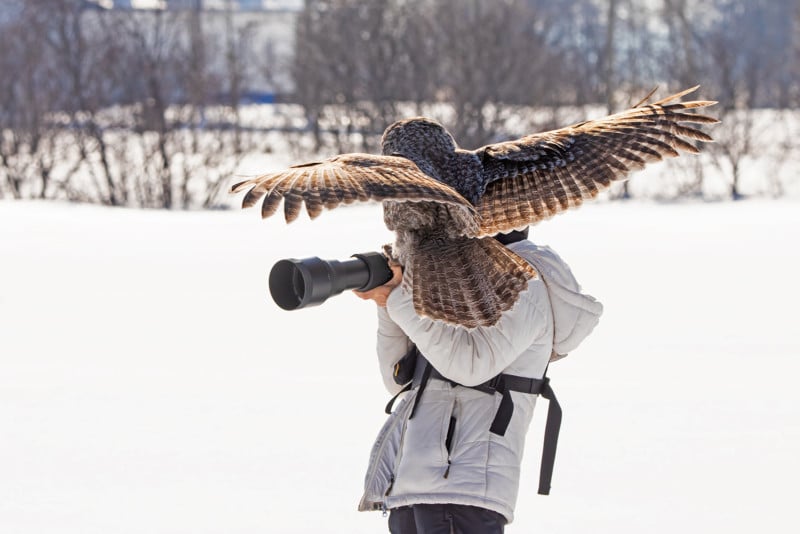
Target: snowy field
{"points": [[148, 384]]}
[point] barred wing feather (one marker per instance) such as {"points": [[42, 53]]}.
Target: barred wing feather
{"points": [[535, 177], [346, 179]]}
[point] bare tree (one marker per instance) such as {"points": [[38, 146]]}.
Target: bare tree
{"points": [[745, 71], [85, 56], [355, 63], [794, 61], [490, 57], [31, 156], [609, 80], [681, 59], [311, 70], [20, 112]]}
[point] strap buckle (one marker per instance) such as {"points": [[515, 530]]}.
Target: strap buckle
{"points": [[540, 385], [494, 382]]}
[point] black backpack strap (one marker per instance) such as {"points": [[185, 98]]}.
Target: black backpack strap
{"points": [[391, 402], [504, 412], [423, 382], [507, 383], [403, 375], [551, 431], [504, 384]]}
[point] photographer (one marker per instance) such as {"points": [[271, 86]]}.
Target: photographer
{"points": [[449, 460]]}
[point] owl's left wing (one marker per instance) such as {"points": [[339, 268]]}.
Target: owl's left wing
{"points": [[345, 179], [535, 177]]}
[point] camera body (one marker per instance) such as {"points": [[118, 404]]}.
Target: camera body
{"points": [[296, 284]]}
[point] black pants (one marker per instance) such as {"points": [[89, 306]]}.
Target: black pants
{"points": [[445, 519]]}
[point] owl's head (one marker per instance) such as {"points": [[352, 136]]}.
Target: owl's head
{"points": [[424, 141]]}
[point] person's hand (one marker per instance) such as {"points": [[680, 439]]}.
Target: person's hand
{"points": [[381, 293]]}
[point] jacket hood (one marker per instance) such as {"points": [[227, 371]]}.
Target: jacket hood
{"points": [[575, 314]]}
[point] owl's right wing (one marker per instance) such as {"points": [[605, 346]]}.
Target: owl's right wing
{"points": [[345, 179]]}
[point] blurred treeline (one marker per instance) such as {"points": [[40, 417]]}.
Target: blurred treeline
{"points": [[153, 108]]}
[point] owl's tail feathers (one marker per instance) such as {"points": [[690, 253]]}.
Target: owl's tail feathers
{"points": [[469, 282]]}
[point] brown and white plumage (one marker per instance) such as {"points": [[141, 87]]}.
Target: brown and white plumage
{"points": [[443, 201], [345, 179], [540, 175]]}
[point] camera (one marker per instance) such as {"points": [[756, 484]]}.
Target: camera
{"points": [[296, 284]]}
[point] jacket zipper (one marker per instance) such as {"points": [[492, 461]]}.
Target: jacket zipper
{"points": [[384, 510], [379, 454], [448, 443]]}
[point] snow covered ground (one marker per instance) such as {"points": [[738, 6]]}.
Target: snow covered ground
{"points": [[148, 384]]}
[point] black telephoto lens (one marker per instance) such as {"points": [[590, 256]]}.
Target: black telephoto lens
{"points": [[296, 284]]}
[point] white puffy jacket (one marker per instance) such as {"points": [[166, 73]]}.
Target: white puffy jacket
{"points": [[410, 463]]}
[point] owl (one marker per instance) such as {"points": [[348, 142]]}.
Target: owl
{"points": [[444, 203]]}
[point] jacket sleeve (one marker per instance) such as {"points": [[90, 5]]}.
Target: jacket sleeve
{"points": [[393, 344], [473, 356]]}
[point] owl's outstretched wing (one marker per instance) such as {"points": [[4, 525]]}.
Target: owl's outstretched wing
{"points": [[345, 179], [538, 176]]}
